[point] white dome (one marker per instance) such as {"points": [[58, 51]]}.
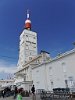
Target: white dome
{"points": [[27, 21]]}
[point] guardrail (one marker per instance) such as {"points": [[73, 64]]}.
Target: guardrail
{"points": [[57, 96]]}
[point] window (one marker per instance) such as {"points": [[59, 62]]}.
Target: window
{"points": [[64, 67], [33, 43], [50, 71], [27, 47], [66, 83], [51, 84], [26, 35], [34, 47]]}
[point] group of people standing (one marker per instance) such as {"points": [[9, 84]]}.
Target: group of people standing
{"points": [[19, 94]]}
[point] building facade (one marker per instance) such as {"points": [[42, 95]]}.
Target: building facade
{"points": [[59, 72], [23, 77]]}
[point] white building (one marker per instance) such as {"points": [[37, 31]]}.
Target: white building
{"points": [[40, 69], [24, 75], [59, 72], [6, 82]]}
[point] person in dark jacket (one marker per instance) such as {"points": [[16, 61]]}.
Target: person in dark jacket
{"points": [[33, 89], [15, 92], [33, 93]]}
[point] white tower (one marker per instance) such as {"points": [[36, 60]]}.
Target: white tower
{"points": [[28, 44]]}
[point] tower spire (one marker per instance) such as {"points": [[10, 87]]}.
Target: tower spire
{"points": [[28, 22]]}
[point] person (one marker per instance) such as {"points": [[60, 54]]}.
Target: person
{"points": [[19, 96], [33, 93], [15, 92], [3, 93], [33, 89]]}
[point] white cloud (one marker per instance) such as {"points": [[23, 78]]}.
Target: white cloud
{"points": [[6, 67]]}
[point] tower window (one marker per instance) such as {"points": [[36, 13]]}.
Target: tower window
{"points": [[34, 47], [26, 46], [26, 35], [34, 37]]}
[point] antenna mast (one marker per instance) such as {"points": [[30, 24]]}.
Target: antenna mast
{"points": [[28, 14]]}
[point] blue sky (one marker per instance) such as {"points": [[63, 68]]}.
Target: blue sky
{"points": [[53, 20]]}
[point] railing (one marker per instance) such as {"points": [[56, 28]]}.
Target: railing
{"points": [[57, 96]]}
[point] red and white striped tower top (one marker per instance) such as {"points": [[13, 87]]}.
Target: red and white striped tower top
{"points": [[28, 22]]}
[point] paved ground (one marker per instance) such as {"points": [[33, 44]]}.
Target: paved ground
{"points": [[11, 98], [24, 98]]}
